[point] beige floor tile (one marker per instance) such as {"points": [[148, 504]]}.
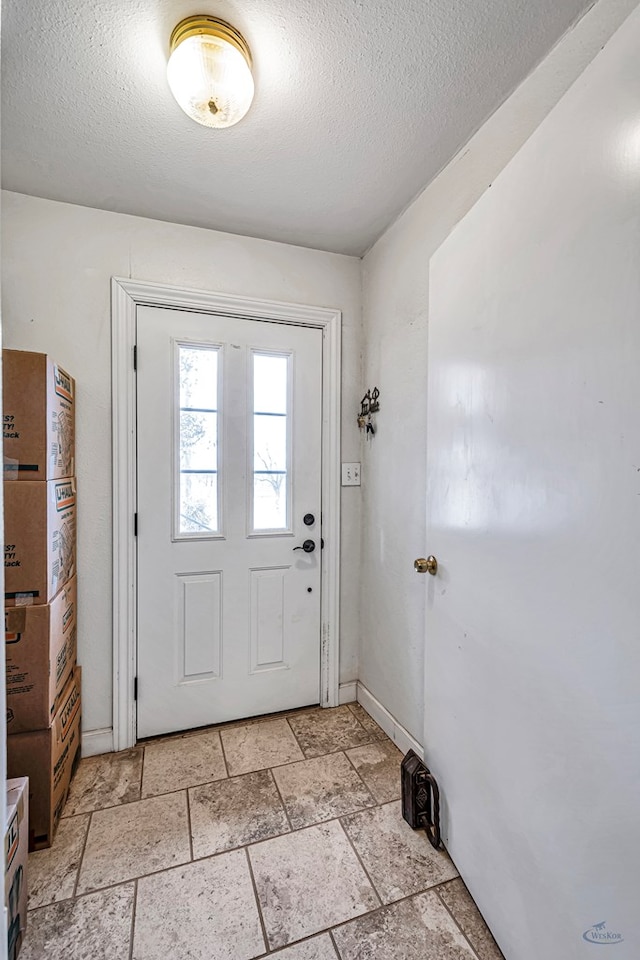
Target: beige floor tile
{"points": [[367, 721], [318, 948], [96, 927], [459, 901], [329, 730], [134, 839], [105, 781], [379, 766], [308, 881], [233, 812], [399, 860], [52, 873], [184, 762], [416, 929], [321, 789], [257, 746], [203, 911]]}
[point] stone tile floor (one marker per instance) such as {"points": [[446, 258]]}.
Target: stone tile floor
{"points": [[279, 837]]}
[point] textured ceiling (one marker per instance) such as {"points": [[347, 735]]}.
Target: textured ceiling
{"points": [[359, 103]]}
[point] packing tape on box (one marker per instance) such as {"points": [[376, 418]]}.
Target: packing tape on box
{"points": [[11, 468], [24, 599]]}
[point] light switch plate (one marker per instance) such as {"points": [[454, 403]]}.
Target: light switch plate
{"points": [[350, 474]]}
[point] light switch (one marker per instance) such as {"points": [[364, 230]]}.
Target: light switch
{"points": [[350, 474]]}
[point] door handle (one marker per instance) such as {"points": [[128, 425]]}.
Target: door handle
{"points": [[426, 565], [308, 546]]}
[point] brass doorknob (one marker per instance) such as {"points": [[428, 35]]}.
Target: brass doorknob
{"points": [[426, 565]]}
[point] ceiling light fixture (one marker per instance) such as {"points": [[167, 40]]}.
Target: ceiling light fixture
{"points": [[209, 71]]}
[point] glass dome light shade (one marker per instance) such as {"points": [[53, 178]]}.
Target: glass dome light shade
{"points": [[209, 71]]}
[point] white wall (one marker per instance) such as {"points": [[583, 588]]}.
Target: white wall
{"points": [[395, 305], [57, 263]]}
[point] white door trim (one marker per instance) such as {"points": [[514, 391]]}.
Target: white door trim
{"points": [[126, 296]]}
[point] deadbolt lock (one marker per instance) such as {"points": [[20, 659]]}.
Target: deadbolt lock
{"points": [[426, 565]]}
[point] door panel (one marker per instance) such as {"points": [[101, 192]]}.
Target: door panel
{"points": [[229, 463], [532, 713]]}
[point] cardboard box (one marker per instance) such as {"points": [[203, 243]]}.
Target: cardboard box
{"points": [[39, 417], [49, 758], [40, 648], [40, 540], [15, 861]]}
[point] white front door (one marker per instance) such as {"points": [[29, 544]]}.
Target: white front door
{"points": [[229, 490]]}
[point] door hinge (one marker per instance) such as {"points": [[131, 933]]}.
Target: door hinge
{"points": [[135, 688], [135, 356], [135, 524]]}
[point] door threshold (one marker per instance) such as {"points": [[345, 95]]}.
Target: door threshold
{"points": [[242, 722]]}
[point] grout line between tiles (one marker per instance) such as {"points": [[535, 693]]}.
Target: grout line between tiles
{"points": [[133, 918], [376, 802], [335, 945], [384, 906], [224, 756], [359, 859], [257, 899], [81, 858], [86, 893], [297, 943], [300, 747], [376, 736], [453, 917], [144, 757], [189, 823], [284, 806]]}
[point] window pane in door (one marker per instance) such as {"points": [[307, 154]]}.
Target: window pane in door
{"points": [[270, 501], [270, 383], [198, 503], [199, 377], [271, 442], [197, 441]]}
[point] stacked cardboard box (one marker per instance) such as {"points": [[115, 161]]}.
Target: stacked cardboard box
{"points": [[43, 681], [15, 863]]}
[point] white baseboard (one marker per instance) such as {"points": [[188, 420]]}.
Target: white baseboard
{"points": [[97, 741], [348, 692], [400, 736]]}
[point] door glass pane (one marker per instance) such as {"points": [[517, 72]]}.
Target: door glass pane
{"points": [[270, 383], [270, 501], [271, 441], [199, 377], [198, 503], [198, 441]]}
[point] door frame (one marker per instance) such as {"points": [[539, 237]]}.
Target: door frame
{"points": [[126, 296]]}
